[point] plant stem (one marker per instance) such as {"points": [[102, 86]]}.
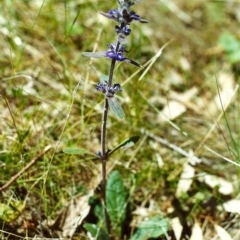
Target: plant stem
{"points": [[103, 144], [104, 163], [105, 110]]}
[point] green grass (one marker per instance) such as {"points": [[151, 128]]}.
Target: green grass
{"points": [[48, 97]]}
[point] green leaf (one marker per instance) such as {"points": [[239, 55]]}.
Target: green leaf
{"points": [[103, 78], [77, 151], [151, 228], [96, 232], [126, 143], [234, 57], [229, 42], [115, 107], [232, 47], [116, 197]]}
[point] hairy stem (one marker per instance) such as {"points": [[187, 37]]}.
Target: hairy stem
{"points": [[103, 145], [105, 111]]}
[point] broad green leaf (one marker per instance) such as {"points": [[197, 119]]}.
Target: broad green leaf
{"points": [[10, 211], [151, 228], [103, 78], [229, 42], [126, 143], [96, 232], [115, 107], [116, 196], [232, 47], [77, 151], [234, 57]]}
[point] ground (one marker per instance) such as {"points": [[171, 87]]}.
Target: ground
{"points": [[183, 104]]}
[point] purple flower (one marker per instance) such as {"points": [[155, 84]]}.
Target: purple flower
{"points": [[134, 16], [102, 87], [124, 30], [109, 91], [124, 16], [112, 53], [116, 88], [112, 14]]}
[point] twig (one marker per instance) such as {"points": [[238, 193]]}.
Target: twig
{"points": [[172, 146], [33, 161], [183, 152]]}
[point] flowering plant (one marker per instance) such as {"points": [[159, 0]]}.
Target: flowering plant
{"points": [[124, 16]]}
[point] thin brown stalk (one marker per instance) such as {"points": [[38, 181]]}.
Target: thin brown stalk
{"points": [[33, 161]]}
